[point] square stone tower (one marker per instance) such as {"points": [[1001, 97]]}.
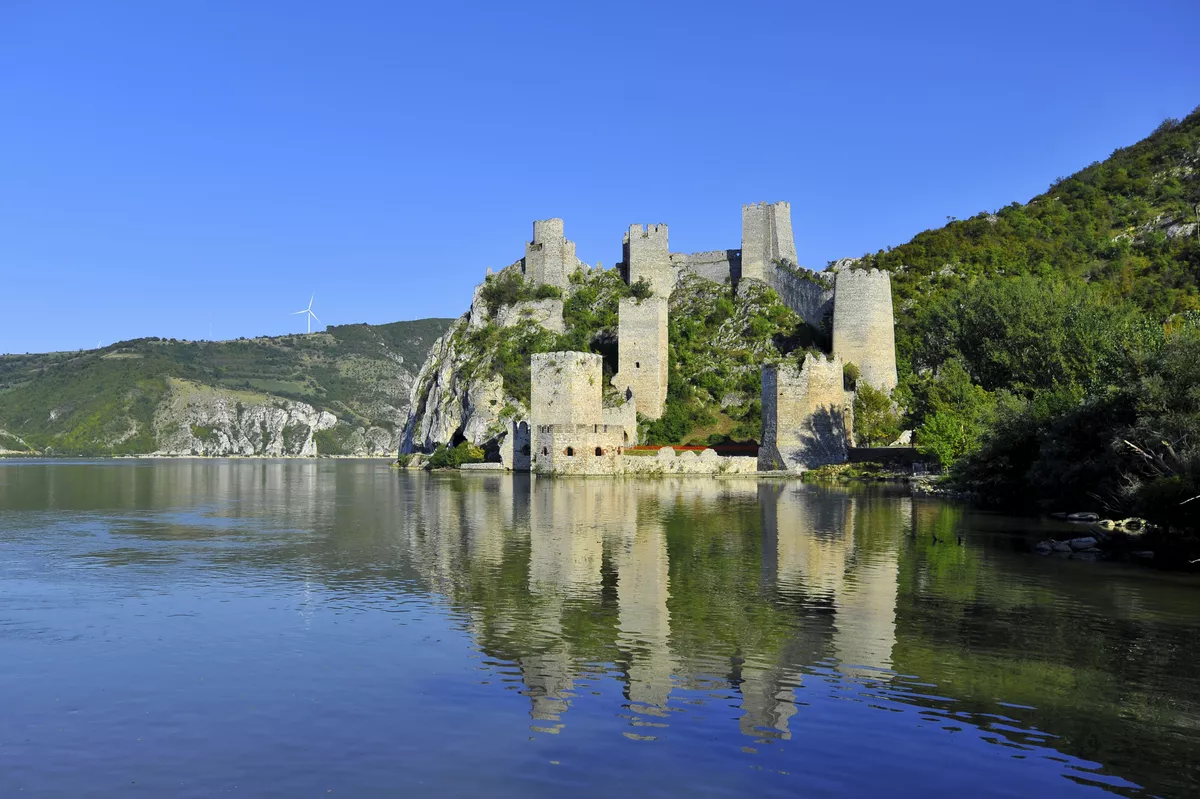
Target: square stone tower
{"points": [[642, 353], [549, 258], [766, 238], [804, 415], [567, 388], [863, 327], [646, 256]]}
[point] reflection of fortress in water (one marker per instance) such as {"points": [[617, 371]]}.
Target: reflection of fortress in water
{"points": [[562, 578]]}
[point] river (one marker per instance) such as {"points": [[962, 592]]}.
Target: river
{"points": [[200, 628]]}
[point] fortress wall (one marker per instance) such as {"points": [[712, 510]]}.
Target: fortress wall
{"points": [[578, 449], [708, 462], [624, 416], [806, 297], [647, 257], [566, 388], [642, 353], [803, 415], [718, 266], [766, 238], [863, 325]]}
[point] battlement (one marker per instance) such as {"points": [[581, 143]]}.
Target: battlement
{"points": [[863, 325], [765, 206]]}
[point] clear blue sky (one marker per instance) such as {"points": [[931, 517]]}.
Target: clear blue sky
{"points": [[171, 168]]}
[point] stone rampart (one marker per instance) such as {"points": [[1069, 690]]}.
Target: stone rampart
{"points": [[719, 266], [805, 295], [667, 461], [642, 353], [803, 415], [566, 388], [863, 325]]}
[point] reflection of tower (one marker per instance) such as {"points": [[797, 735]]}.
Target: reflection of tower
{"points": [[834, 545], [643, 588], [566, 543]]}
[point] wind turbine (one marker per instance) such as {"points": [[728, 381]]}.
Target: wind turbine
{"points": [[308, 310]]}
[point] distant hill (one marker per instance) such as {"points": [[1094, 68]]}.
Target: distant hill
{"points": [[341, 391]]}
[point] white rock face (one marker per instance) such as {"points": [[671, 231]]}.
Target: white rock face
{"points": [[450, 397], [198, 420]]}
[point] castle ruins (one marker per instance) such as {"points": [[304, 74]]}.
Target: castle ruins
{"points": [[806, 411]]}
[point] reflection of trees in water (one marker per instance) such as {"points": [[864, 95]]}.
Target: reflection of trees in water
{"points": [[712, 585]]}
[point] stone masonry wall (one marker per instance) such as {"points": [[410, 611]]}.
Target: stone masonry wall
{"points": [[549, 258], [647, 257], [803, 415], [863, 325], [766, 238], [808, 298], [719, 266], [642, 353], [566, 388], [578, 449]]}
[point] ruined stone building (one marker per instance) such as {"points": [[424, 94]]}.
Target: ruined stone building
{"points": [[806, 411]]}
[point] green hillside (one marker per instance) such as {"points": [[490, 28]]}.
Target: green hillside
{"points": [[1050, 351], [103, 401]]}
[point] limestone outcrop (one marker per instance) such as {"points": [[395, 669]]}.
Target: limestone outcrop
{"points": [[200, 420]]}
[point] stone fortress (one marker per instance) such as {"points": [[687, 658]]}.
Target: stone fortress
{"points": [[806, 412]]}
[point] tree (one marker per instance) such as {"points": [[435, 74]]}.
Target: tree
{"points": [[876, 422]]}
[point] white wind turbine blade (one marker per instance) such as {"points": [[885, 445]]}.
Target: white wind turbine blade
{"points": [[310, 300], [299, 312], [313, 315]]}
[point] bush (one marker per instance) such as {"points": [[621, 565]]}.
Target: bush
{"points": [[453, 457], [876, 423]]}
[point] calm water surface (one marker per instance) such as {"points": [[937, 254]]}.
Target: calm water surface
{"points": [[291, 629]]}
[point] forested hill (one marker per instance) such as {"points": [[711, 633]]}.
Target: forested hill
{"points": [[1050, 351], [1127, 224], [341, 391]]}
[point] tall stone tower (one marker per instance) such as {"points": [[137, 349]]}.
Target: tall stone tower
{"points": [[766, 238], [566, 388], [863, 327], [804, 419], [647, 256], [642, 353], [549, 258]]}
